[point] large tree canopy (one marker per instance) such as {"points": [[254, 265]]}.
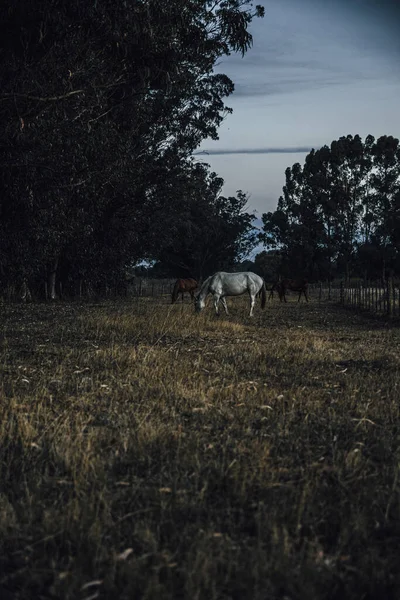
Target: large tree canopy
{"points": [[340, 212], [100, 101]]}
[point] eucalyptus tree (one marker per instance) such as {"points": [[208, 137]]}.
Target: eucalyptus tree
{"points": [[95, 97], [295, 227], [351, 168], [384, 222], [339, 212], [202, 231]]}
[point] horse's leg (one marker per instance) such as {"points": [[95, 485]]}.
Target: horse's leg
{"points": [[305, 295], [216, 300], [299, 296], [252, 302], [223, 302]]}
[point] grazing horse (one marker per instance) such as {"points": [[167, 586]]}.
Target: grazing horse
{"points": [[223, 284], [184, 285], [294, 285]]}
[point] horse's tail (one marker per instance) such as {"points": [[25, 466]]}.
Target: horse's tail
{"points": [[175, 292], [263, 295]]}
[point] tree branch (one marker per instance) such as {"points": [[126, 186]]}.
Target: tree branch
{"points": [[40, 98]]}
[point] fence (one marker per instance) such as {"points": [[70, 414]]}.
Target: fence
{"points": [[382, 299], [144, 287], [369, 296]]}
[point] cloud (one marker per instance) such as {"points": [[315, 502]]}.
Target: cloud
{"points": [[287, 150], [287, 76], [336, 43], [296, 83]]}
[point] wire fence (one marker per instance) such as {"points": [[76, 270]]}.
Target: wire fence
{"points": [[372, 296], [145, 287]]}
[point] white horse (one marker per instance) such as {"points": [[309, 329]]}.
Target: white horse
{"points": [[231, 284]]}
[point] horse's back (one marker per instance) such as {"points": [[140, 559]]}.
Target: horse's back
{"points": [[236, 283], [189, 283], [297, 284], [254, 279]]}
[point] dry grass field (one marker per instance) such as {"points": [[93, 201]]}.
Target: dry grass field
{"points": [[148, 452]]}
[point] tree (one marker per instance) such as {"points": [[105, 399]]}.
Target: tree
{"points": [[339, 213], [295, 228], [268, 265], [202, 231], [383, 206], [99, 99]]}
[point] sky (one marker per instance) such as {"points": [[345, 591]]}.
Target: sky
{"points": [[318, 70]]}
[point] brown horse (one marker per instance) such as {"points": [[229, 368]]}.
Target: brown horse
{"points": [[184, 285], [293, 285]]}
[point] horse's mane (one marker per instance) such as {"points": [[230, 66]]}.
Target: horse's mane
{"points": [[205, 283]]}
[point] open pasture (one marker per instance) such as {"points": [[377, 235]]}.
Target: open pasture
{"points": [[150, 452]]}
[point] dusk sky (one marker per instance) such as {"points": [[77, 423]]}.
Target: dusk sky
{"points": [[318, 69]]}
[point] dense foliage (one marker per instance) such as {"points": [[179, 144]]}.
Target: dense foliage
{"points": [[102, 104], [204, 231], [340, 212]]}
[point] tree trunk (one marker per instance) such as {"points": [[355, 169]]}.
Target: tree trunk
{"points": [[347, 273], [51, 280], [25, 292]]}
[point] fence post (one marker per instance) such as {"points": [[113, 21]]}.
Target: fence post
{"points": [[341, 293]]}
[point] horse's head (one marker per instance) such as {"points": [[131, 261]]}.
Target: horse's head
{"points": [[199, 303]]}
